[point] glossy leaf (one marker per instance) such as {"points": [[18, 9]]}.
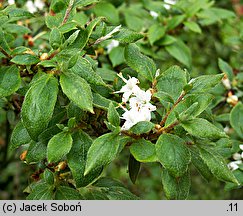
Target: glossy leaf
{"points": [[133, 168], [180, 51], [39, 104], [67, 193], [113, 116], [217, 165], [176, 188], [77, 157], [143, 151], [142, 127], [59, 146], [236, 119], [173, 154], [25, 59], [172, 81], [202, 128], [139, 62], [205, 83], [9, 80], [19, 136], [77, 90], [102, 151]]}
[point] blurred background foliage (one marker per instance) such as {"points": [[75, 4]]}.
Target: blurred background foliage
{"points": [[198, 48]]}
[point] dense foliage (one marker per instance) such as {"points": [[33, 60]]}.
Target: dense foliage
{"points": [[121, 99]]}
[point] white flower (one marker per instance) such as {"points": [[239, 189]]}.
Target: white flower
{"points": [[33, 7], [226, 129], [237, 156], [133, 116], [111, 45], [154, 14], [226, 83], [39, 4], [157, 73], [129, 88], [168, 3], [10, 2], [234, 165], [241, 154], [30, 6], [241, 147]]}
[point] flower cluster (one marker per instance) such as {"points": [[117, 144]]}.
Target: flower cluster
{"points": [[234, 165], [33, 7], [138, 100]]}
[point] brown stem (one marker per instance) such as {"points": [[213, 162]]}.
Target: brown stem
{"points": [[163, 130], [68, 11], [172, 108], [5, 53]]}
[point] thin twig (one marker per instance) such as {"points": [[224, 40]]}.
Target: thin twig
{"points": [[172, 108], [5, 53], [68, 11]]}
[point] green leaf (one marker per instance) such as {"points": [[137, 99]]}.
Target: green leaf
{"points": [[20, 13], [67, 27], [77, 157], [142, 127], [116, 56], [184, 108], [36, 152], [25, 59], [217, 165], [226, 68], [16, 29], [82, 3], [102, 102], [59, 146], [236, 119], [202, 128], [174, 21], [180, 51], [113, 116], [126, 36], [54, 21], [55, 38], [143, 151], [3, 43], [163, 97], [41, 191], [77, 90], [172, 81], [139, 62], [103, 150], [173, 154], [19, 136], [205, 83], [133, 168], [9, 80], [48, 176], [200, 165], [39, 104], [193, 26], [84, 69], [155, 33], [213, 15], [84, 35], [176, 188], [67, 193], [114, 190], [107, 10], [71, 39]]}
